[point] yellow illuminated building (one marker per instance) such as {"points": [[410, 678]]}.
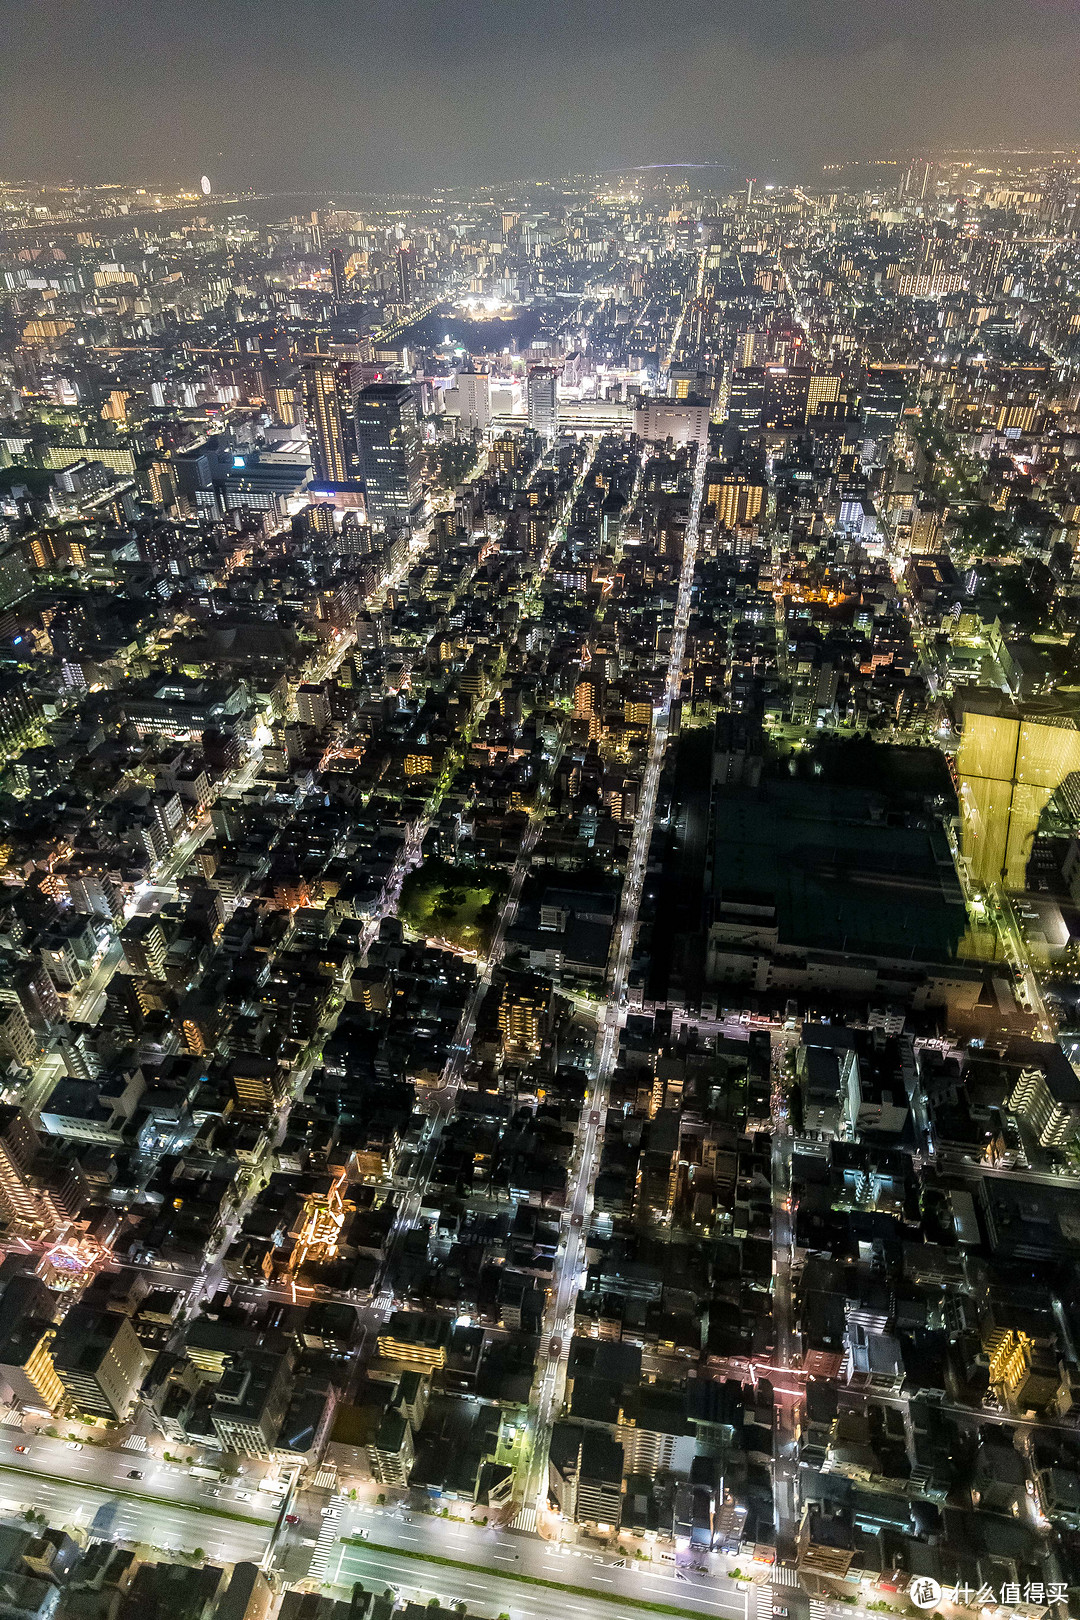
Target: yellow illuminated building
{"points": [[523, 1010], [1009, 766], [736, 499], [318, 1228], [415, 1338]]}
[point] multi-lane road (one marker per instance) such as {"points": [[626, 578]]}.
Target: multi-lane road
{"points": [[164, 1506], [399, 1546], [422, 1556]]}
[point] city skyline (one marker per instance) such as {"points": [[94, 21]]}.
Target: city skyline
{"points": [[356, 95]]}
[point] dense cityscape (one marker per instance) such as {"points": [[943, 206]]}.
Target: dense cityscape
{"points": [[540, 910]]}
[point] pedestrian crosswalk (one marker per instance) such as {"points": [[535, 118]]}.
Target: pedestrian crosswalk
{"points": [[784, 1575], [818, 1609], [764, 1601], [526, 1519], [328, 1535]]}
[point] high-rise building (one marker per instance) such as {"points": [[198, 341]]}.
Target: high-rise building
{"points": [[250, 1401], [329, 393], [26, 1365], [787, 394], [392, 1450], [823, 389], [884, 392], [17, 1038], [523, 1013], [737, 498], [28, 1206], [543, 401], [145, 947], [746, 398], [404, 275], [473, 390], [99, 1361], [337, 274], [390, 450], [589, 703]]}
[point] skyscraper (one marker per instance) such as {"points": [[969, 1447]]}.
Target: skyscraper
{"points": [[746, 398], [390, 450], [883, 395], [329, 394], [473, 389], [404, 275], [543, 401], [337, 274]]}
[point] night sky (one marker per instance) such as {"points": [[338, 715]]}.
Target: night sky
{"points": [[415, 93]]}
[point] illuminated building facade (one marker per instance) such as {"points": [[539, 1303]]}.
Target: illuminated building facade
{"points": [[329, 395], [523, 1013], [1009, 766], [543, 400], [100, 1363], [27, 1367], [390, 451]]}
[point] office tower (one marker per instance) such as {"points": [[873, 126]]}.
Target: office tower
{"points": [[404, 275], [750, 348], [883, 396], [337, 274], [750, 184], [686, 382], [473, 390], [390, 451], [824, 389], [543, 401], [250, 1401], [329, 395], [787, 394], [279, 391], [99, 1361], [746, 398]]}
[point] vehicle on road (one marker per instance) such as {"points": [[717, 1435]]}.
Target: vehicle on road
{"points": [[555, 1349], [134, 1473], [73, 1445], [23, 1449], [292, 1518]]}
